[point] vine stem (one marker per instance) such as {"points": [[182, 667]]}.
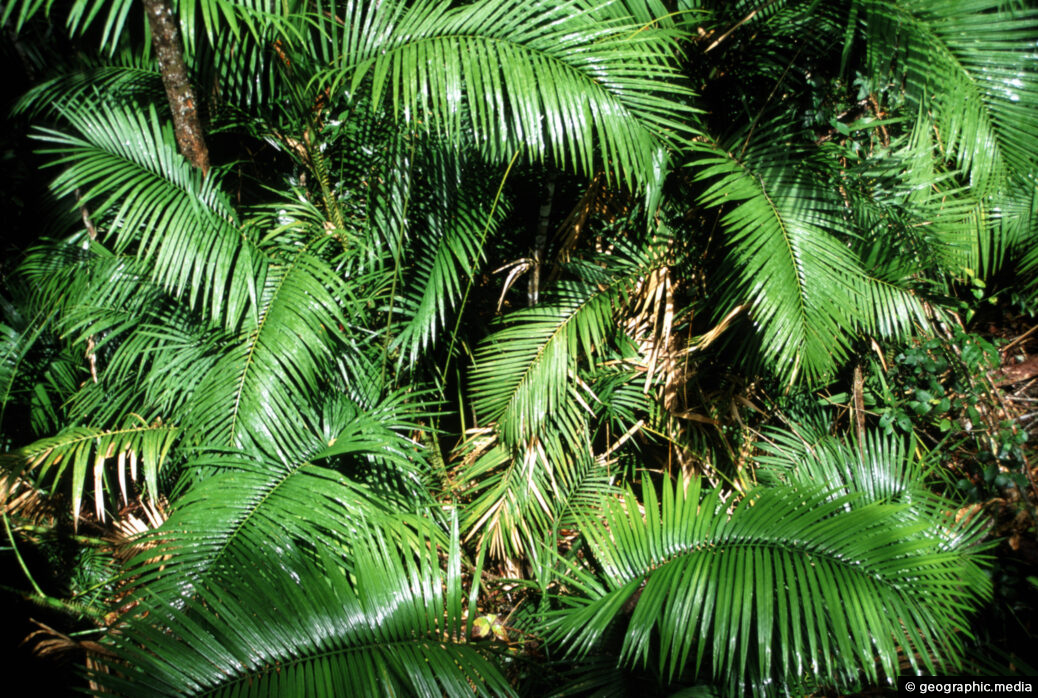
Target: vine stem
{"points": [[18, 555], [472, 273]]}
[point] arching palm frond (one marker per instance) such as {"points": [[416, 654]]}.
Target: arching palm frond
{"points": [[969, 66], [153, 370], [520, 495], [521, 375], [141, 351], [392, 624], [920, 224], [126, 77], [798, 277], [526, 386], [880, 468], [89, 450], [455, 217], [514, 497], [236, 506], [523, 372], [126, 164], [210, 16], [808, 291], [106, 430], [792, 584], [874, 467], [547, 77], [250, 390], [913, 219]]}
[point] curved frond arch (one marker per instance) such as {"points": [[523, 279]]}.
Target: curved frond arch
{"points": [[790, 583]]}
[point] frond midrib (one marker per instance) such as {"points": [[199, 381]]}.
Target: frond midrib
{"points": [[247, 513], [524, 378], [254, 336], [787, 238], [782, 544], [253, 342], [34, 454]]}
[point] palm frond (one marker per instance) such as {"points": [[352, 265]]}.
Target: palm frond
{"points": [[89, 449], [880, 468], [808, 291], [914, 218], [82, 15], [523, 372], [515, 496], [249, 391], [525, 384], [791, 583], [459, 217], [17, 340], [547, 77], [306, 627], [1017, 225], [970, 66], [127, 77], [144, 353], [236, 505], [518, 495], [127, 166]]}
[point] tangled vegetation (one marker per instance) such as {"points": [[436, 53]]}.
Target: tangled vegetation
{"points": [[522, 347]]}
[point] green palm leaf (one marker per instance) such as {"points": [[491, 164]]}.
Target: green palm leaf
{"points": [[526, 383], [790, 584], [807, 289], [1017, 224], [969, 67], [914, 218], [522, 372], [250, 391], [89, 449], [127, 166], [125, 76], [454, 219], [17, 340], [303, 627], [228, 15], [550, 78], [242, 504], [515, 497], [880, 468]]}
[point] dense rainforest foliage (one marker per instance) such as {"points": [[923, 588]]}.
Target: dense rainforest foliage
{"points": [[520, 347]]}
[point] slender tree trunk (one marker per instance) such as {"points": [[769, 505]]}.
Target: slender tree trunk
{"points": [[169, 51], [540, 243]]}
